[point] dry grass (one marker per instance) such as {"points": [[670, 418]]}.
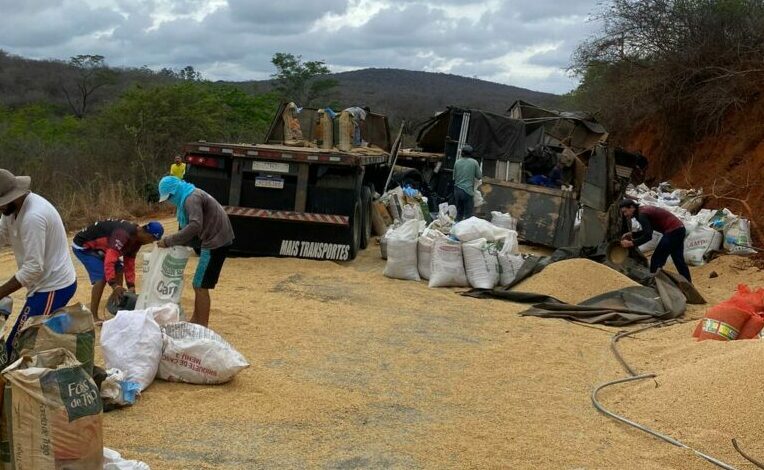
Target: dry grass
{"points": [[103, 199]]}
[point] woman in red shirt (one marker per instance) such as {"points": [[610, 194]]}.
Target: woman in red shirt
{"points": [[662, 221]]}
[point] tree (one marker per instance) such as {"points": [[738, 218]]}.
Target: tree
{"points": [[188, 73], [91, 75], [301, 82], [691, 59]]}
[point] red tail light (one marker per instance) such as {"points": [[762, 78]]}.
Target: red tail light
{"points": [[209, 162]]}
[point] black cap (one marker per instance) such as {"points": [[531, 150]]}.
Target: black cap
{"points": [[628, 203]]}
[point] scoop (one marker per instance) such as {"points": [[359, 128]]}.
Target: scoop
{"points": [[616, 253]]}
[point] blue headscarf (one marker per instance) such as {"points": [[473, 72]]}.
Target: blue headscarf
{"points": [[176, 191]]}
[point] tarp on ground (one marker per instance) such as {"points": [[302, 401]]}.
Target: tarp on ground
{"points": [[662, 296]]}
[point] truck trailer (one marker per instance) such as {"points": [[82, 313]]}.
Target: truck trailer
{"points": [[301, 198]]}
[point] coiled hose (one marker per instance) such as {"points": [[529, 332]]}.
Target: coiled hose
{"points": [[633, 377]]}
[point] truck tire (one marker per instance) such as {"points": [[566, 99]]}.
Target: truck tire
{"points": [[365, 216], [355, 229]]}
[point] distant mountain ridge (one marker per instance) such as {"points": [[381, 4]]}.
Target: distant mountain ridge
{"points": [[413, 94]]}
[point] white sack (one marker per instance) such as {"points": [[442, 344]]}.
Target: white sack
{"points": [[132, 342], [503, 220], [699, 242], [412, 212], [424, 251], [737, 237], [197, 355], [478, 200], [402, 252], [447, 267], [650, 246], [481, 263], [474, 228], [164, 281]]}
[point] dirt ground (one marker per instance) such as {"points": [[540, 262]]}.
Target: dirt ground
{"points": [[352, 370]]}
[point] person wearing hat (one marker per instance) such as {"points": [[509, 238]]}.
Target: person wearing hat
{"points": [[466, 173], [101, 245], [662, 221], [203, 222], [35, 231]]}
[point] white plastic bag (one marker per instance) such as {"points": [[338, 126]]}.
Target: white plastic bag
{"points": [[503, 220], [132, 342], [402, 252], [116, 390], [650, 246], [197, 355], [477, 199], [447, 266], [474, 228], [699, 242], [112, 460], [481, 263], [164, 282], [424, 251], [737, 236]]}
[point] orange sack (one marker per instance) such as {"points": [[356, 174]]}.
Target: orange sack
{"points": [[724, 321], [752, 327], [754, 298]]}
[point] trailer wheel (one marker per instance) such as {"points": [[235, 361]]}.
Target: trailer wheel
{"points": [[365, 216], [355, 230]]}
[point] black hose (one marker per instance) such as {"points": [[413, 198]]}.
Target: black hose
{"points": [[634, 377], [746, 456]]}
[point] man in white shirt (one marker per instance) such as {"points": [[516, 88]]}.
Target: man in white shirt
{"points": [[33, 228]]}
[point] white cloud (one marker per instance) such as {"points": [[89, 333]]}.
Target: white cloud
{"points": [[519, 43]]}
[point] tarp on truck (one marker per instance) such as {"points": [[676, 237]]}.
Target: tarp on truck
{"points": [[492, 136]]}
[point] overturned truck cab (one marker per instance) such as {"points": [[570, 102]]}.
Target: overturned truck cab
{"points": [[518, 148]]}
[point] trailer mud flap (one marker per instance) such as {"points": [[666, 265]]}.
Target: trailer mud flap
{"points": [[282, 238]]}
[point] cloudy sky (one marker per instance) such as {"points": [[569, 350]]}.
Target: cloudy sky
{"points": [[518, 42]]}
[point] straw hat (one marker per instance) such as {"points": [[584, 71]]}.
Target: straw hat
{"points": [[12, 187]]}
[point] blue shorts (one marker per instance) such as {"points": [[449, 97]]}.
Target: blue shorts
{"points": [[41, 303], [93, 262]]}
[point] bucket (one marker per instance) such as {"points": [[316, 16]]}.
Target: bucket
{"points": [[617, 254]]}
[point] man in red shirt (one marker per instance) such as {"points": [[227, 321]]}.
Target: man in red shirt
{"points": [[662, 221], [101, 245]]}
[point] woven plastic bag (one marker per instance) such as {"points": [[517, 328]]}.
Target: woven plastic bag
{"points": [[197, 355]]}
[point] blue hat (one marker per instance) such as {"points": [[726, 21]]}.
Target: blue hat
{"points": [[154, 228]]}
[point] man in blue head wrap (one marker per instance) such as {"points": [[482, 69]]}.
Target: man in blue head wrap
{"points": [[202, 221]]}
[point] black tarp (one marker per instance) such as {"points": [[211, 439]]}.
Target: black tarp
{"points": [[661, 296], [492, 136], [496, 137]]}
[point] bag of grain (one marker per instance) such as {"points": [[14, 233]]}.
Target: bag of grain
{"points": [[481, 263], [197, 355], [164, 282], [699, 243], [54, 411], [402, 252], [447, 265], [424, 251], [474, 228], [510, 261], [737, 236], [132, 342], [503, 220], [71, 328]]}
